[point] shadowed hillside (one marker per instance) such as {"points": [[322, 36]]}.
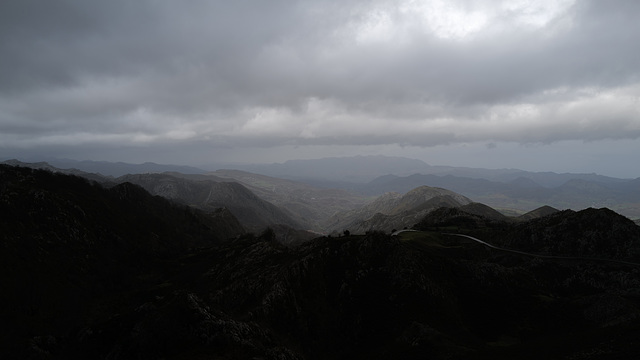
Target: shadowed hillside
{"points": [[95, 273], [69, 245], [309, 205], [589, 232], [208, 193]]}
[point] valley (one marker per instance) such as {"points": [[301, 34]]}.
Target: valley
{"points": [[233, 264]]}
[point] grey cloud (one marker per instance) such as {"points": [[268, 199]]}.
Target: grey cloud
{"points": [[201, 70]]}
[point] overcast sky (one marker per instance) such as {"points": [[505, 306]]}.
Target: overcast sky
{"points": [[537, 85]]}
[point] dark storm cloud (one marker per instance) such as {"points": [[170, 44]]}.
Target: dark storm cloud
{"points": [[316, 72]]}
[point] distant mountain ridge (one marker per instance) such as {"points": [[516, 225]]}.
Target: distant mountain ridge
{"points": [[90, 272], [353, 169], [344, 169], [363, 169], [114, 169], [523, 193], [509, 190]]}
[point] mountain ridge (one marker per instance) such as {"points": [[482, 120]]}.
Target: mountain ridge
{"points": [[96, 272], [209, 194], [394, 210]]}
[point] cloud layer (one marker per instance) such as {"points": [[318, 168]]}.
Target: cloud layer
{"points": [[265, 74]]}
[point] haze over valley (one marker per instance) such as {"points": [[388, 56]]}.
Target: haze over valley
{"points": [[235, 264], [319, 179]]}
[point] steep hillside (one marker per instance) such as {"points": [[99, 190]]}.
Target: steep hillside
{"points": [[591, 232], [461, 217], [395, 211], [418, 296], [69, 171], [94, 273], [69, 246], [207, 194], [484, 211], [309, 205], [116, 169], [539, 212]]}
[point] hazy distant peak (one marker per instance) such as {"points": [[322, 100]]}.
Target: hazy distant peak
{"points": [[428, 192], [539, 212], [36, 165]]}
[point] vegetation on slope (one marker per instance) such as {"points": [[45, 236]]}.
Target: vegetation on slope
{"points": [[120, 274]]}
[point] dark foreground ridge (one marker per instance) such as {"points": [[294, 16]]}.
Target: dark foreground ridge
{"points": [[94, 273]]}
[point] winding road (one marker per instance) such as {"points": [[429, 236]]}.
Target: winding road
{"points": [[530, 254], [543, 256]]}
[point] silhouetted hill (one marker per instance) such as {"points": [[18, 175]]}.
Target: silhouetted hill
{"points": [[460, 217], [484, 211], [70, 171], [93, 273], [68, 244], [511, 191], [359, 297], [116, 169], [539, 212], [591, 232]]}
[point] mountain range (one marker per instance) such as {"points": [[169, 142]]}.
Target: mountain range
{"points": [[362, 178], [110, 271]]}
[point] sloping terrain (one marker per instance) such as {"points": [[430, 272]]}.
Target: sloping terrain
{"points": [[589, 232], [116, 273], [395, 211], [524, 193], [208, 193], [539, 212], [95, 273], [70, 171], [309, 205], [70, 246]]}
